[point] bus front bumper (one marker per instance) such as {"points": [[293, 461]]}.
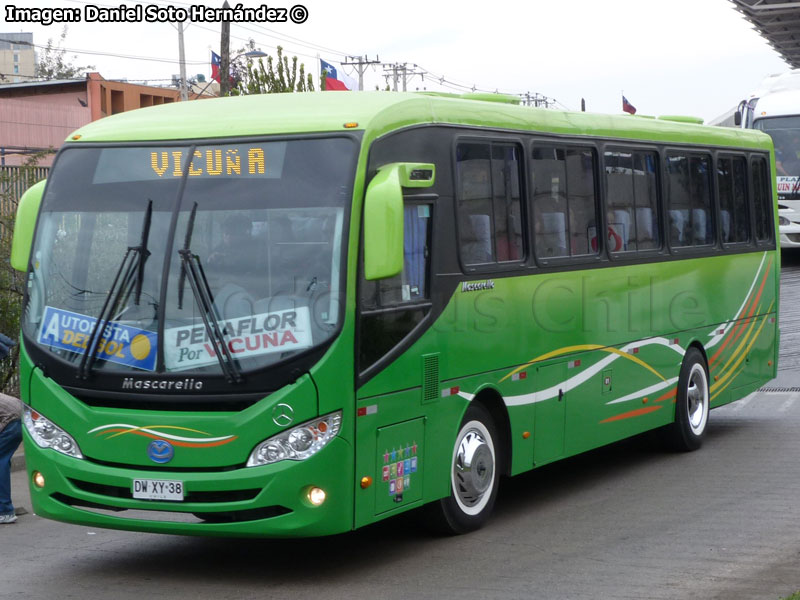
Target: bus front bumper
{"points": [[266, 501]]}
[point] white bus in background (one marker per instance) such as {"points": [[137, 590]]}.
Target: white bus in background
{"points": [[775, 109]]}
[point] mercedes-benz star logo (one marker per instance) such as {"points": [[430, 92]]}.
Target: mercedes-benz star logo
{"points": [[282, 415]]}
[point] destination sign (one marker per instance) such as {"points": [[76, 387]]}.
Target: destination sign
{"points": [[257, 161], [788, 187], [265, 333]]}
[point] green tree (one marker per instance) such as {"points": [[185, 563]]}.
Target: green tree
{"points": [[272, 77], [54, 64]]}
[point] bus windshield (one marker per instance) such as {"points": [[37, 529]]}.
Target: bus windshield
{"points": [[785, 133], [202, 258]]}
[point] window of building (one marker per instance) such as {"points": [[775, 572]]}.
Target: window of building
{"points": [[117, 101], [564, 201], [690, 214], [632, 200], [733, 210], [490, 223]]}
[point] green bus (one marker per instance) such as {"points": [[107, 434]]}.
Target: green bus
{"points": [[298, 314]]}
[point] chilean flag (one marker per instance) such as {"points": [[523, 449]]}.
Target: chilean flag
{"points": [[332, 81], [627, 106], [215, 66]]}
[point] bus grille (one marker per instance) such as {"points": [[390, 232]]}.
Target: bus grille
{"points": [[113, 491], [235, 516]]}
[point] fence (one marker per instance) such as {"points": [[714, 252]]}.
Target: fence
{"points": [[14, 180]]}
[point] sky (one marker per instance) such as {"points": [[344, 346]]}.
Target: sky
{"points": [[689, 57]]}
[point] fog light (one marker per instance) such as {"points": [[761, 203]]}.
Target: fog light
{"points": [[38, 479], [316, 496]]}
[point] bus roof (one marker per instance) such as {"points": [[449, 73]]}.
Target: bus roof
{"points": [[778, 104], [378, 113]]}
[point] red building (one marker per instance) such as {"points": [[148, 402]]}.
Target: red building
{"points": [[39, 115]]}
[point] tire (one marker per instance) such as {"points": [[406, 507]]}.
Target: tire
{"points": [[474, 476], [691, 409]]}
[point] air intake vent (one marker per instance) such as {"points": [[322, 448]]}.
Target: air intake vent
{"points": [[430, 377]]}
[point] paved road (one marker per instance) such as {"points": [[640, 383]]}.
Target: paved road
{"points": [[628, 521]]}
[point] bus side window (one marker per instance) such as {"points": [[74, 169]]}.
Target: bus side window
{"points": [[690, 210], [391, 308], [489, 203], [762, 199], [732, 186], [632, 201], [564, 201]]}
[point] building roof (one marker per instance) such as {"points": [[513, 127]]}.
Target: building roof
{"points": [[33, 84], [10, 41], [778, 21]]}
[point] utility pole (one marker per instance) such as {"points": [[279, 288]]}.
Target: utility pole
{"points": [[399, 70], [182, 57], [393, 69], [225, 56], [361, 63]]}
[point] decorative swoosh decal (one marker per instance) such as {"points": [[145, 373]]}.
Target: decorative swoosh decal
{"points": [[153, 432]]}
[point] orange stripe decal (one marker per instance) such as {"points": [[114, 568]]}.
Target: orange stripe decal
{"points": [[671, 394], [634, 413], [751, 304]]}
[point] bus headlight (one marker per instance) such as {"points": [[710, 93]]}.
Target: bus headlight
{"points": [[783, 221], [297, 443], [49, 435]]}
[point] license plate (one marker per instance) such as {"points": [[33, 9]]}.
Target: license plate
{"points": [[157, 489]]}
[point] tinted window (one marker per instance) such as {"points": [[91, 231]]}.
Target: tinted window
{"points": [[490, 225], [391, 308], [564, 201], [733, 210], [632, 202], [690, 215], [763, 200]]}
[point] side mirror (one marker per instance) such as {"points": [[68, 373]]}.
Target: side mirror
{"points": [[738, 116], [27, 211], [383, 216]]}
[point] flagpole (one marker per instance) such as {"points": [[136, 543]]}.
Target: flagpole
{"points": [[319, 72]]}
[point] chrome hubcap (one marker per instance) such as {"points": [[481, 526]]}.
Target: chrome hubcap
{"points": [[473, 468], [697, 398]]}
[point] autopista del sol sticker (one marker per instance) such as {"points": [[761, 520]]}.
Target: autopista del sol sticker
{"points": [[118, 343]]}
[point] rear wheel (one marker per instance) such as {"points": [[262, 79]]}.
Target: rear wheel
{"points": [[691, 410], [473, 475]]}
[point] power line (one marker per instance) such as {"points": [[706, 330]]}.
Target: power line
{"points": [[111, 54], [398, 71]]}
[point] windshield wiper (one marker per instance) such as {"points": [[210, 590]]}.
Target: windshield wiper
{"points": [[132, 266], [192, 269]]}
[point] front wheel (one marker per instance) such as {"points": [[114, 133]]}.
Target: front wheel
{"points": [[691, 409], [473, 475]]}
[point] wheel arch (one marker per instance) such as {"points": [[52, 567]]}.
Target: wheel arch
{"points": [[493, 402], [697, 344]]}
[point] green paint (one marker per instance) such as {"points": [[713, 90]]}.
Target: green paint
{"points": [[512, 346], [27, 212], [383, 224]]}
